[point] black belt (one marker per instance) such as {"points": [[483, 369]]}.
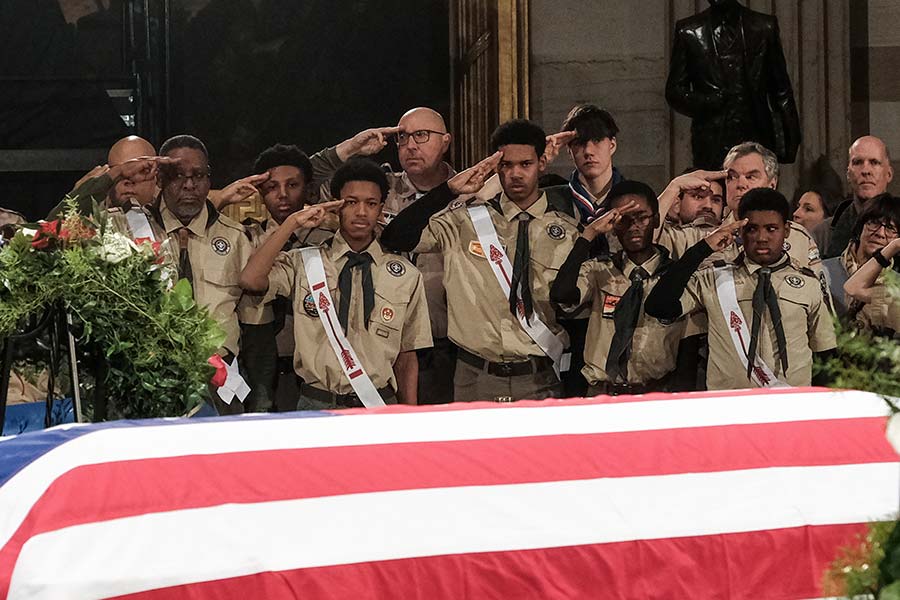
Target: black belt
{"points": [[534, 364], [619, 389], [350, 400]]}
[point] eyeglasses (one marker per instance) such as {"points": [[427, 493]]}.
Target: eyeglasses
{"points": [[180, 179], [889, 228], [420, 136]]}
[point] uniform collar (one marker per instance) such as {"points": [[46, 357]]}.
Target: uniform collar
{"points": [[198, 226], [753, 267], [340, 247], [650, 265], [511, 211]]}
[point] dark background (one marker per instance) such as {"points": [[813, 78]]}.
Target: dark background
{"points": [[239, 74]]}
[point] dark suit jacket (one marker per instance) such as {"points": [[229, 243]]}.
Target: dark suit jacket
{"points": [[697, 85]]}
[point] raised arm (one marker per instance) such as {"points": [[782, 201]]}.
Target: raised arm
{"points": [[860, 284]]}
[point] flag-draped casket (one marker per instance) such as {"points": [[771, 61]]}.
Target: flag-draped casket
{"points": [[709, 495]]}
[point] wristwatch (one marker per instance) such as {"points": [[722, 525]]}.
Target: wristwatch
{"points": [[881, 259]]}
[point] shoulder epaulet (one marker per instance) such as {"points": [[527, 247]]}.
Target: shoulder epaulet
{"points": [[795, 226], [231, 223], [807, 271], [250, 222], [719, 263]]}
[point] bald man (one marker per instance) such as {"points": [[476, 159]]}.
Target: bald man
{"points": [[127, 192], [868, 174]]}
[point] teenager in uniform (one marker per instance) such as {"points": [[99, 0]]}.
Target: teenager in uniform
{"points": [[767, 314], [359, 312], [627, 352], [500, 258]]}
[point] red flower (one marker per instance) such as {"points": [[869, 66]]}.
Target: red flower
{"points": [[47, 232]]}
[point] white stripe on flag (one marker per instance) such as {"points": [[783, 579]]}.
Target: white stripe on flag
{"points": [[159, 550], [257, 434]]}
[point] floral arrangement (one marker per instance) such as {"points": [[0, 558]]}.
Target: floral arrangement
{"points": [[153, 338]]}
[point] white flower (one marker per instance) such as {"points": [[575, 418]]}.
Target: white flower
{"points": [[115, 247]]}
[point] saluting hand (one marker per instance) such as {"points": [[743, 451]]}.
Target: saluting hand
{"points": [[313, 215], [242, 189], [697, 180], [723, 236], [555, 143], [472, 179], [606, 223], [369, 141], [143, 168]]}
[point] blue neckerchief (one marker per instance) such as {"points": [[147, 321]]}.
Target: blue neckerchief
{"points": [[582, 198]]}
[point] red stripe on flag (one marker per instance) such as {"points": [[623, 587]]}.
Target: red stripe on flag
{"points": [[774, 564], [127, 488]]}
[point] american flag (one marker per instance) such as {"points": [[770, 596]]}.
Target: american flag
{"points": [[744, 494]]}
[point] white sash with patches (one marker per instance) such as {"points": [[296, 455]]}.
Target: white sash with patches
{"points": [[139, 225], [551, 344], [347, 357], [761, 374]]}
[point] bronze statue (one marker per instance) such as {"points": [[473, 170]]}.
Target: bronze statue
{"points": [[729, 75]]}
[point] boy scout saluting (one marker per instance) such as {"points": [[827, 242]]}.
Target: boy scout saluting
{"points": [[359, 313], [499, 260], [627, 352], [766, 314]]}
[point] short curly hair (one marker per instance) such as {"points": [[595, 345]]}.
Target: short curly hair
{"points": [[281, 155]]}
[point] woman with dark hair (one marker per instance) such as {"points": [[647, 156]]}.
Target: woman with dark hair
{"points": [[862, 298], [819, 196]]}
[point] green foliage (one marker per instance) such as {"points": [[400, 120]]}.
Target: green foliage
{"points": [[855, 572], [864, 361], [156, 341]]}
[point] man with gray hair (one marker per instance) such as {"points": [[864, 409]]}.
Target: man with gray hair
{"points": [[747, 166]]}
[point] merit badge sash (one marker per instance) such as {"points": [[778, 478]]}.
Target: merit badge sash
{"points": [[761, 374], [552, 345], [347, 357]]}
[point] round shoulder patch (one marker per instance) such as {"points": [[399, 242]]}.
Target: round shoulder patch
{"points": [[787, 246], [455, 204], [396, 268], [794, 281], [309, 305], [556, 231], [220, 246]]}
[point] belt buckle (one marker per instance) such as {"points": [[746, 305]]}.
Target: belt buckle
{"points": [[503, 399], [504, 369]]}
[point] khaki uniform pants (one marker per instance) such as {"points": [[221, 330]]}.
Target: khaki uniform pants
{"points": [[471, 384]]}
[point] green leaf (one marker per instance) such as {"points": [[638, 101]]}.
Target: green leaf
{"points": [[891, 592]]}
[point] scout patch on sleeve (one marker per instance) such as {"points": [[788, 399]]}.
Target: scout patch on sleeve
{"points": [[556, 231], [476, 249], [787, 246], [455, 204], [220, 246], [309, 305], [813, 254], [609, 305], [387, 314], [794, 281], [396, 268]]}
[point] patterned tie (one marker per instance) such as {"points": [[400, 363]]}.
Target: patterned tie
{"points": [[521, 275], [625, 318], [364, 261], [184, 259], [764, 297]]}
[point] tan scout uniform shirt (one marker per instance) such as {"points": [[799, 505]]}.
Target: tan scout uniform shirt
{"points": [[883, 312], [479, 319], [798, 244], [654, 345], [398, 323], [219, 250], [403, 193], [10, 217], [807, 323]]}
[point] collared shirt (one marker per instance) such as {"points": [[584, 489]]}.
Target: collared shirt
{"points": [[479, 318], [401, 194], [398, 323], [602, 282], [798, 244], [807, 323], [256, 313], [219, 250]]}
